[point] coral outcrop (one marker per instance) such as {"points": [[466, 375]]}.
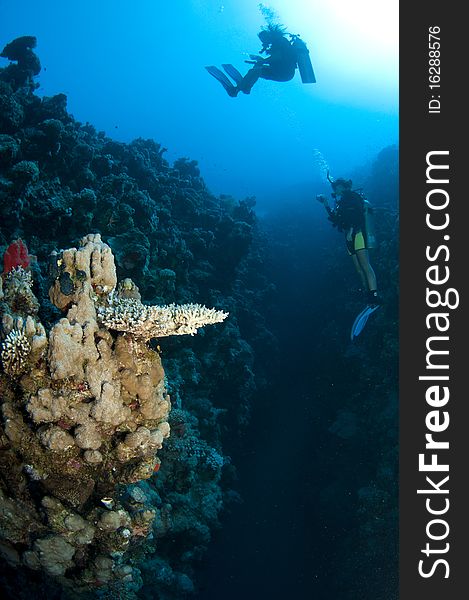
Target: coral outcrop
{"points": [[84, 412], [25, 62], [60, 179]]}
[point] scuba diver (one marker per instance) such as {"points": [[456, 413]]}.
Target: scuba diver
{"points": [[352, 215], [282, 58]]}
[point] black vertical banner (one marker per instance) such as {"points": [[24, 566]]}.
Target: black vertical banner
{"points": [[434, 259]]}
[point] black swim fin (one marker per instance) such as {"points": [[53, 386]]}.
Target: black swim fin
{"points": [[223, 79], [233, 73], [361, 320]]}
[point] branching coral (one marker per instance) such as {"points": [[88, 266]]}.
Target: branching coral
{"points": [[15, 351], [24, 341], [131, 316]]}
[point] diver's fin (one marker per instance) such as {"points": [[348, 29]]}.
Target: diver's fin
{"points": [[362, 318], [233, 73], [357, 322], [223, 79]]}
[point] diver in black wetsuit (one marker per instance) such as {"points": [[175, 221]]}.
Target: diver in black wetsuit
{"points": [[279, 64]]}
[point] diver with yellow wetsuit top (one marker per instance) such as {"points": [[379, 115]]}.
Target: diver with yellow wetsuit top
{"points": [[352, 215]]}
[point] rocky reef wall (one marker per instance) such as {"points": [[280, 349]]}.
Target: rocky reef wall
{"points": [[62, 181]]}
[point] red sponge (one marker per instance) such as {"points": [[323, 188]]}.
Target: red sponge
{"points": [[16, 255]]}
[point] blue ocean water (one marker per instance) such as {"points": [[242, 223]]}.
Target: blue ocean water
{"points": [[311, 480], [136, 69]]}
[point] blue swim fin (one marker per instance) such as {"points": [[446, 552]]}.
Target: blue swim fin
{"points": [[233, 73], [362, 318], [223, 79]]}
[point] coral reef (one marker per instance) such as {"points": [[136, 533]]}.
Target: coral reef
{"points": [[20, 51], [84, 412], [61, 179]]}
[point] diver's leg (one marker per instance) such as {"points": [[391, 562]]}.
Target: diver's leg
{"points": [[350, 239], [250, 79], [360, 272], [363, 260]]}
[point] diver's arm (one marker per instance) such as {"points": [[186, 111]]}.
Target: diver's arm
{"points": [[257, 60], [275, 57], [331, 212], [323, 200]]}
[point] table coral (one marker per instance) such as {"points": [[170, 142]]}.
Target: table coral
{"points": [[148, 322]]}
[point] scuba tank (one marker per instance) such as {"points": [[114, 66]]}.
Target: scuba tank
{"points": [[369, 221], [369, 225], [302, 58]]}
